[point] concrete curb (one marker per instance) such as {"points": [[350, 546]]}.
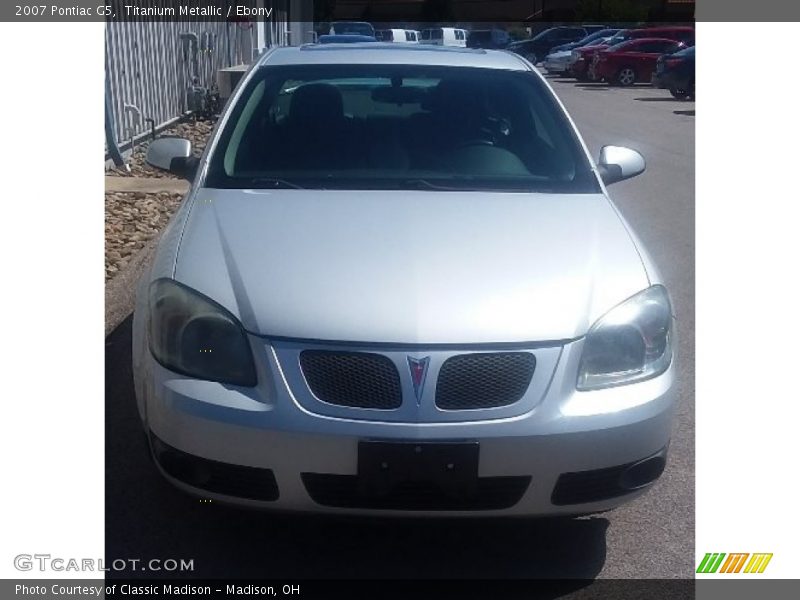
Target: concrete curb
{"points": [[121, 290], [146, 185]]}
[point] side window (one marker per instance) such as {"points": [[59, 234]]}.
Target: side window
{"points": [[660, 47], [459, 34]]}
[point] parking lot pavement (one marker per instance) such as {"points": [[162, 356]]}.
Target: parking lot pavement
{"points": [[651, 538]]}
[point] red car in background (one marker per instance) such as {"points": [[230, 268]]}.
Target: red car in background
{"points": [[582, 57], [629, 62]]}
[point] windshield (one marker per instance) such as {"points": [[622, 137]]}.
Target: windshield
{"points": [[622, 47], [596, 38], [543, 35], [398, 127], [686, 52], [622, 36]]}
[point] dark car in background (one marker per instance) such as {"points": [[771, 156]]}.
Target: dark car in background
{"points": [[345, 38], [590, 29], [495, 39], [352, 28], [540, 45], [587, 41], [675, 72], [632, 61]]}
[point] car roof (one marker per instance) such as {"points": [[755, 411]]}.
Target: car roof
{"points": [[641, 40], [673, 28], [345, 38], [387, 53]]}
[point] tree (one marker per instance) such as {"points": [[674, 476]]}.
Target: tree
{"points": [[612, 11]]}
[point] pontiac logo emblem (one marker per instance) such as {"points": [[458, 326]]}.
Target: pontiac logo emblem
{"points": [[419, 370]]}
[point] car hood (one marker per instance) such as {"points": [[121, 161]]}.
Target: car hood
{"points": [[408, 266], [563, 47], [591, 49]]}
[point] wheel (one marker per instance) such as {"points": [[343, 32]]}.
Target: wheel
{"points": [[626, 76], [679, 94], [533, 58]]}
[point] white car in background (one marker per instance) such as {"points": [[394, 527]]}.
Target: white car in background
{"points": [[398, 36], [444, 36]]}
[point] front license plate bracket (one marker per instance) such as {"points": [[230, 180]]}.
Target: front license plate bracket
{"points": [[452, 467]]}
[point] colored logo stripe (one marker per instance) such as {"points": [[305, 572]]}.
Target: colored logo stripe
{"points": [[710, 562], [758, 563], [733, 564]]}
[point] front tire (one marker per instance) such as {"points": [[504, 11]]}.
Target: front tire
{"points": [[625, 77], [678, 94]]}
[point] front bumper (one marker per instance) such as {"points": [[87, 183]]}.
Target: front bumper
{"points": [[579, 67], [556, 65], [600, 70], [525, 460], [668, 80]]}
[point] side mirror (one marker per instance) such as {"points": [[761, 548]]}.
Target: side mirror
{"points": [[173, 154], [617, 163]]}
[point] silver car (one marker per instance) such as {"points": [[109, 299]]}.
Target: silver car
{"points": [[398, 286], [560, 62]]}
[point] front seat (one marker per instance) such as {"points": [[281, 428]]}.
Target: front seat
{"points": [[318, 134]]}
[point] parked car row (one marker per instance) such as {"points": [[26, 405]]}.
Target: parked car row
{"points": [[533, 49], [540, 45], [663, 56]]}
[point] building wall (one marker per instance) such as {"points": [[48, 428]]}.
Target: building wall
{"points": [[147, 66]]}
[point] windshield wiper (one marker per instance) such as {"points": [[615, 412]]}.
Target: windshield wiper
{"points": [[424, 184], [274, 182]]}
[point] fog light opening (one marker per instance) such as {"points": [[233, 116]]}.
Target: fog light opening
{"points": [[643, 473]]}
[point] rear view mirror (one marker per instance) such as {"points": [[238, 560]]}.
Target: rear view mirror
{"points": [[398, 95], [617, 163], [172, 154]]}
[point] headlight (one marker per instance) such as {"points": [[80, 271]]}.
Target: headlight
{"points": [[193, 335], [629, 343]]}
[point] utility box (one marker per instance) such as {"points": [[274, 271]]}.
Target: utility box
{"points": [[228, 78]]}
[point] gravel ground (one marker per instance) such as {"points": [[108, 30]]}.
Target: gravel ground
{"points": [[133, 218], [195, 132]]}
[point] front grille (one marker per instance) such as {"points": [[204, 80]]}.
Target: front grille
{"points": [[357, 379], [484, 380], [342, 491], [218, 477]]}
